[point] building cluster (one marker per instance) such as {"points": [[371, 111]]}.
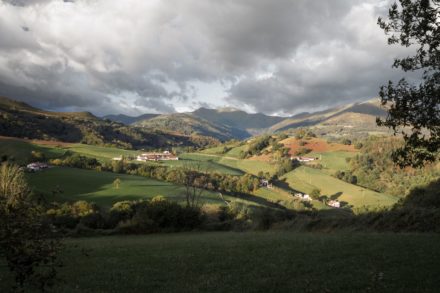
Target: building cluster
{"points": [[303, 196], [334, 203], [36, 166], [303, 159], [266, 183], [165, 156]]}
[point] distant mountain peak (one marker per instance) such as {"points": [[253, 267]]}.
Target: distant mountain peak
{"points": [[228, 109]]}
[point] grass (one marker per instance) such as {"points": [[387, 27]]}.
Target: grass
{"points": [[333, 161], [248, 166], [305, 179], [250, 262], [235, 152], [78, 184], [206, 162], [99, 152], [21, 151]]}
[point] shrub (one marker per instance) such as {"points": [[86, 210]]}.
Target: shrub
{"points": [[93, 221]]}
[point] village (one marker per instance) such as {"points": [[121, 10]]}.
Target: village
{"points": [[153, 156]]}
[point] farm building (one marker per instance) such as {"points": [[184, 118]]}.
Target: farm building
{"points": [[334, 203], [303, 159], [37, 166], [265, 183], [302, 196], [165, 156]]}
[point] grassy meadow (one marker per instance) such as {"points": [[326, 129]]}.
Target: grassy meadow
{"points": [[305, 179], [98, 187], [250, 262]]}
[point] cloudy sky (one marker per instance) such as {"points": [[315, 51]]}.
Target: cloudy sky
{"points": [[145, 56]]}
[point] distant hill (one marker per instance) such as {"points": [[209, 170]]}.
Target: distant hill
{"points": [[223, 124], [127, 120], [230, 123], [238, 119], [189, 124], [352, 117], [18, 119]]}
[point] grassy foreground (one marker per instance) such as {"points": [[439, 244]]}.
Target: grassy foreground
{"points": [[251, 262]]}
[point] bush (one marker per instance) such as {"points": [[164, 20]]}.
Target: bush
{"points": [[302, 151], [93, 221]]}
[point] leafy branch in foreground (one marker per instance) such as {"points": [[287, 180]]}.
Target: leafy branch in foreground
{"points": [[414, 110]]}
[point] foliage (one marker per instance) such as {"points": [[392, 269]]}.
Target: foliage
{"points": [[375, 169], [417, 107], [27, 243], [315, 194], [302, 151], [286, 165]]}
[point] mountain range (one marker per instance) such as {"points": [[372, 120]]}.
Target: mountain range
{"points": [[230, 123], [198, 128], [18, 119]]}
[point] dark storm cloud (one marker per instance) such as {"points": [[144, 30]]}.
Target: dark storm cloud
{"points": [[134, 56]]}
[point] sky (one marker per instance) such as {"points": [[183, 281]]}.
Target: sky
{"points": [[150, 56]]}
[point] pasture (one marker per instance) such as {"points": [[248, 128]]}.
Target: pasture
{"points": [[305, 179], [209, 163], [101, 153], [70, 184], [20, 151], [249, 262]]}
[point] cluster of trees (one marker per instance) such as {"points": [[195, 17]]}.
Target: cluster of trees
{"points": [[256, 146], [286, 165], [347, 176], [144, 216], [304, 133], [375, 169]]}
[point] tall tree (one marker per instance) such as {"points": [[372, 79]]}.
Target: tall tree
{"points": [[414, 109], [27, 243]]}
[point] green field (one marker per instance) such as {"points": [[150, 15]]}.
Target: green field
{"points": [[250, 262], [333, 161], [99, 152], [206, 162], [20, 151], [305, 179], [78, 184]]}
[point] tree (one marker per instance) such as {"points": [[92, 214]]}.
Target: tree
{"points": [[117, 183], [315, 194], [195, 181], [27, 242], [414, 110]]}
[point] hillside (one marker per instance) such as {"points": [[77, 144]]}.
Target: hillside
{"points": [[252, 123], [19, 119], [359, 117], [230, 123], [127, 120], [188, 124]]}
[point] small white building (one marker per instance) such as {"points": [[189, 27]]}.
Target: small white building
{"points": [[303, 196], [303, 159], [37, 166], [265, 183], [334, 203], [165, 156]]}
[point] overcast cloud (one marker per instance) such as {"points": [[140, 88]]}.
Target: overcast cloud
{"points": [[137, 56]]}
